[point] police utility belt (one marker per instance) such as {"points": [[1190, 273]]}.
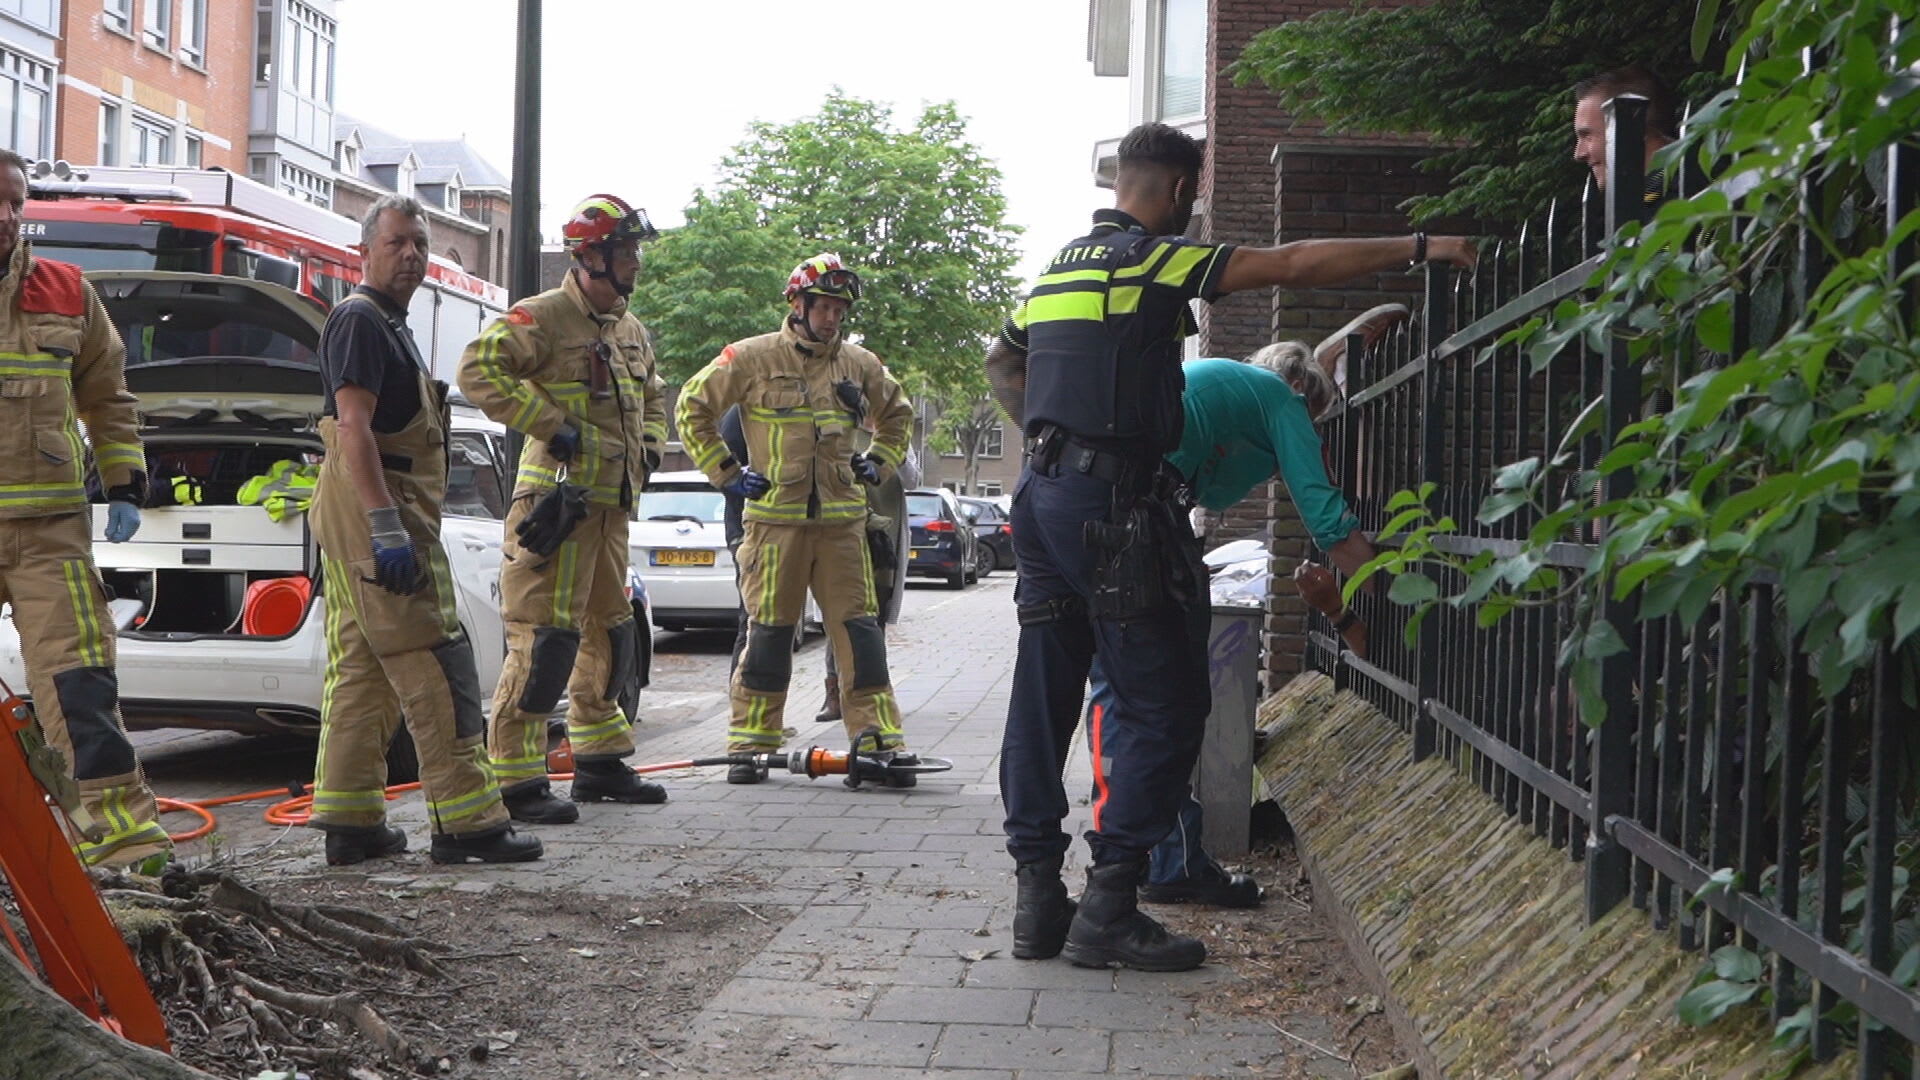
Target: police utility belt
{"points": [[1131, 475]]}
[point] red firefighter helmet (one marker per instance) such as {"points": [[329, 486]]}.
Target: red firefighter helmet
{"points": [[602, 219], [824, 275]]}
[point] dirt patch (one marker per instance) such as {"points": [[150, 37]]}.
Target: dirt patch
{"points": [[536, 984], [1294, 964]]}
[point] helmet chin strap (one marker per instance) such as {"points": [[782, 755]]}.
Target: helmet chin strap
{"points": [[804, 320], [623, 289]]}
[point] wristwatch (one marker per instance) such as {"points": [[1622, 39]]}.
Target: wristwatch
{"points": [[1419, 251], [1347, 618]]}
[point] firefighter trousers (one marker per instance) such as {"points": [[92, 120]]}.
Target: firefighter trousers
{"points": [[570, 629], [67, 640], [392, 657], [778, 564]]}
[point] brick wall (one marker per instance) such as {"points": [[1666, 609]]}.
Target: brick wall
{"points": [[466, 242], [212, 99]]}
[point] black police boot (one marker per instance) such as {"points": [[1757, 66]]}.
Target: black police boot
{"points": [[1042, 911], [1109, 930], [536, 805], [348, 845], [741, 772], [609, 780], [1212, 886], [496, 845]]}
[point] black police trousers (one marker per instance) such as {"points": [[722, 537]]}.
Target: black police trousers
{"points": [[1145, 744]]}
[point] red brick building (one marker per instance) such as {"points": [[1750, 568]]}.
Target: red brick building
{"points": [[155, 82]]}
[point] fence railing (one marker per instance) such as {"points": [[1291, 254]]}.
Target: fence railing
{"points": [[1717, 752]]}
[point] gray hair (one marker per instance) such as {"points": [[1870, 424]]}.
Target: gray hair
{"points": [[1294, 363], [406, 205]]}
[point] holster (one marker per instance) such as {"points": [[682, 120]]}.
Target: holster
{"points": [[553, 519], [1127, 578]]}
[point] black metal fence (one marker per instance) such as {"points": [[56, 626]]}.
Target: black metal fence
{"points": [[1718, 752]]}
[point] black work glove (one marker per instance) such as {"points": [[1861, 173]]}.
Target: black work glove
{"points": [[565, 444], [866, 470]]}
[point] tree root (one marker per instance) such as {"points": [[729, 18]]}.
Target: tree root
{"points": [[347, 1007], [381, 948]]}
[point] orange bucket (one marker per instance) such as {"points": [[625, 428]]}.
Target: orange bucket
{"points": [[273, 607]]}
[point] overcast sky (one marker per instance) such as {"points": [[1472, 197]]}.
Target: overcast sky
{"points": [[643, 98]]}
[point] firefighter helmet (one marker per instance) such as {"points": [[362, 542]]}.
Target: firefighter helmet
{"points": [[602, 219], [824, 275]]}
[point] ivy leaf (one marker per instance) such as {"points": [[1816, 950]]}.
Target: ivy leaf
{"points": [[1413, 587], [1714, 325], [1516, 475], [1735, 964], [1602, 641], [1709, 1001]]}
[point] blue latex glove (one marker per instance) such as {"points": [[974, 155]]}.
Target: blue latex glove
{"points": [[123, 520], [748, 485], [564, 444], [866, 470], [395, 566]]}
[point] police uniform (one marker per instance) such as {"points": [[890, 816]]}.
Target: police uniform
{"points": [[62, 363], [810, 530], [392, 656], [553, 362]]}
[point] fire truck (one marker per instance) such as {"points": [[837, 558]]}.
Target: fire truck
{"points": [[216, 222]]}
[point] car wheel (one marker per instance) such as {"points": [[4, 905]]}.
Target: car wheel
{"points": [[989, 560], [957, 579], [403, 758]]}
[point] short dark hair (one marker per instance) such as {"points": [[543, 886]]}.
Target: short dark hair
{"points": [[1633, 79], [1163, 146], [9, 157]]}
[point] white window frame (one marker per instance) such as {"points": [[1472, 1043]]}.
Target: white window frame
{"points": [[997, 440], [141, 124], [193, 31], [112, 136], [156, 24], [117, 16], [1156, 64], [193, 151], [28, 74]]}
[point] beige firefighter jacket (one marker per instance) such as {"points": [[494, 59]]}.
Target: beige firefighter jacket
{"points": [[533, 369], [61, 364], [800, 434]]}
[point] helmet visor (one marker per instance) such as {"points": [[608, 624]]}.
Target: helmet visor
{"points": [[844, 284]]}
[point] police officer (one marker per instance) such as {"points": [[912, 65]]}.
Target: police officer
{"points": [[394, 644], [61, 361], [803, 392], [574, 371], [1089, 366]]}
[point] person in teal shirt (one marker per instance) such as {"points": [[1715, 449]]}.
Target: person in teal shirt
{"points": [[1245, 422]]}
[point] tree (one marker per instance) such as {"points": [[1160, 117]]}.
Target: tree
{"points": [[48, 1039], [966, 422], [917, 212], [1487, 79]]}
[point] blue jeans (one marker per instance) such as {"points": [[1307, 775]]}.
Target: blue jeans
{"points": [[1180, 856]]}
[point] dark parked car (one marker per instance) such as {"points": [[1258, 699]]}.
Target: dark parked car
{"points": [[994, 531], [942, 538]]}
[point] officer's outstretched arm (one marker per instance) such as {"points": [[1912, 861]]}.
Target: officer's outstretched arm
{"points": [[703, 401], [101, 398], [1314, 264], [494, 370], [1007, 376]]}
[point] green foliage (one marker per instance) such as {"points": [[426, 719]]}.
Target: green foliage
{"points": [[1489, 80], [917, 212]]}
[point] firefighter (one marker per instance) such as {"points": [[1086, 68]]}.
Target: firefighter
{"points": [[573, 370], [803, 392], [62, 363], [887, 534], [394, 643]]}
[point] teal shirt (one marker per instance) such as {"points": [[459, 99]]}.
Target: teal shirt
{"points": [[1243, 424]]}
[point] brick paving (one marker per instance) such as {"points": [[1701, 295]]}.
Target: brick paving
{"points": [[896, 905]]}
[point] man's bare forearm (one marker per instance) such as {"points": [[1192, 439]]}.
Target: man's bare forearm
{"points": [[1007, 377], [1314, 264]]}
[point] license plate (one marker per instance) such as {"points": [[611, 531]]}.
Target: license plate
{"points": [[917, 552], [682, 558]]}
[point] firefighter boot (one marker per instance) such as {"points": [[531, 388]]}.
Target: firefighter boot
{"points": [[1109, 929], [609, 780], [830, 710], [348, 845], [496, 845], [1042, 911], [535, 804]]}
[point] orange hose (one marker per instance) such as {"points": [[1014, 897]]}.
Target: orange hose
{"points": [[175, 806]]}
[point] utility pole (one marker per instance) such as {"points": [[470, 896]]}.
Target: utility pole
{"points": [[523, 248]]}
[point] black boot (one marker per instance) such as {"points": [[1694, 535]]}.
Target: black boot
{"points": [[830, 711], [609, 780], [348, 845], [1213, 887], [1109, 929], [1041, 911], [536, 805], [496, 845], [741, 772]]}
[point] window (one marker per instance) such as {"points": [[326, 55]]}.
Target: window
{"points": [[306, 184], [150, 141], [994, 444], [990, 488], [193, 31], [26, 85], [157, 28], [118, 16], [109, 133], [1183, 59], [37, 12], [309, 52], [473, 478], [263, 46], [348, 158], [452, 200], [194, 151]]}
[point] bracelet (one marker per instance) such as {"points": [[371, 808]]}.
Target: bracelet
{"points": [[1347, 618], [1419, 251]]}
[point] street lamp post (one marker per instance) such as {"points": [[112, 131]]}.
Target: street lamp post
{"points": [[523, 249]]}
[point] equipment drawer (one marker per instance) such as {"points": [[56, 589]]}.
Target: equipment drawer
{"points": [[209, 526]]}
